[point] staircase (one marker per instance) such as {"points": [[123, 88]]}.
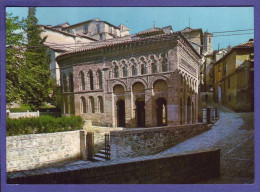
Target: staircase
{"points": [[103, 154]]}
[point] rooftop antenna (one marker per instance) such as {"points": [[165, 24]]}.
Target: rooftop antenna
{"points": [[189, 22], [218, 46], [154, 24]]}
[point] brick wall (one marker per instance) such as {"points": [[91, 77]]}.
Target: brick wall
{"points": [[148, 141], [40, 150], [172, 169]]}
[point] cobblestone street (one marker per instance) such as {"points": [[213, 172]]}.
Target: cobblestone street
{"points": [[233, 133]]}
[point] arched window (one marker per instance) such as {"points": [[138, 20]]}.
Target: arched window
{"points": [[83, 105], [100, 79], [153, 65], [134, 69], [64, 80], [82, 80], [91, 80], [164, 63], [91, 104], [116, 73], [125, 71], [100, 105], [143, 66], [71, 85]]}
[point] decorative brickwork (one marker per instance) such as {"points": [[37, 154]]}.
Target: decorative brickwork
{"points": [[172, 61]]}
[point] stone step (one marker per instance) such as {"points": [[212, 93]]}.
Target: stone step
{"points": [[101, 155], [104, 151], [98, 158]]}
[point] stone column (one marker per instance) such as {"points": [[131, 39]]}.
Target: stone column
{"points": [[109, 109], [128, 109], [149, 107], [77, 102], [173, 107]]}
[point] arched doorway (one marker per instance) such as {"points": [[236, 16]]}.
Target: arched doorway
{"points": [[161, 109], [139, 97], [120, 104], [140, 112], [188, 110]]}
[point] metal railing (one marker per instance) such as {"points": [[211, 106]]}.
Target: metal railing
{"points": [[107, 147]]}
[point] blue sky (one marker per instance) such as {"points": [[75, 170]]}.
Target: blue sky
{"points": [[212, 19]]}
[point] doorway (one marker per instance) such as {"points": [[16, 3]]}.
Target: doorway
{"points": [[161, 110], [120, 113], [140, 113]]}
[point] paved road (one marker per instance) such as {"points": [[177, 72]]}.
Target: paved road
{"points": [[233, 133]]}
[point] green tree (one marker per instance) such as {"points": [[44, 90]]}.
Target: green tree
{"points": [[15, 60], [36, 76]]}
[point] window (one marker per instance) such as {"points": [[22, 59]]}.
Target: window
{"points": [[219, 68], [100, 79], [225, 68], [134, 69], [154, 68], [64, 82], [91, 80], [101, 36], [91, 104], [164, 63], [100, 105], [85, 28], [82, 78], [83, 105], [143, 66], [124, 71], [71, 86], [116, 71], [228, 83]]}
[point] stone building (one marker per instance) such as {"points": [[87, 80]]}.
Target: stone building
{"points": [[234, 78], [97, 29], [207, 69], [57, 42], [144, 80]]}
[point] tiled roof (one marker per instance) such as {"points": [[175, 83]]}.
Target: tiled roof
{"points": [[249, 44], [188, 30], [124, 40], [60, 24], [151, 30], [97, 20], [66, 33]]}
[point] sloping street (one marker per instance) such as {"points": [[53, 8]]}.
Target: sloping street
{"points": [[233, 133]]}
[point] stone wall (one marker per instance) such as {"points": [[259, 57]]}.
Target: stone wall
{"points": [[172, 169], [41, 150], [18, 115], [148, 141]]}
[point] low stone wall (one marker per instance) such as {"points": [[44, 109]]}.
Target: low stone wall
{"points": [[41, 150], [171, 169], [22, 114], [148, 141]]}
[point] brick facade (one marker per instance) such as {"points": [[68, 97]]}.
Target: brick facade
{"points": [[137, 83]]}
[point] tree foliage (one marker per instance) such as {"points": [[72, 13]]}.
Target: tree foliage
{"points": [[28, 76], [15, 60]]}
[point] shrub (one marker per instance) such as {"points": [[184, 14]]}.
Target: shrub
{"points": [[22, 108], [42, 124]]}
